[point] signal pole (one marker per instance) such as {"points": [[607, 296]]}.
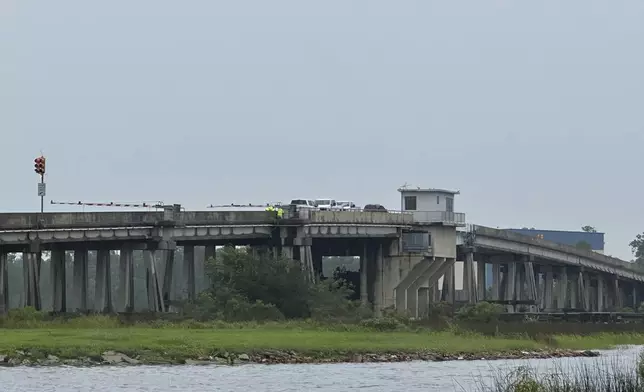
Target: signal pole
{"points": [[39, 168]]}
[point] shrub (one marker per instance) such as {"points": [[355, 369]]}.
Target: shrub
{"points": [[382, 324], [248, 287], [483, 312]]}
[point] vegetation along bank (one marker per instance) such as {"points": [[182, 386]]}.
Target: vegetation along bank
{"points": [[264, 311]]}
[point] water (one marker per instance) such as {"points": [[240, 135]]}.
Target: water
{"points": [[389, 377]]}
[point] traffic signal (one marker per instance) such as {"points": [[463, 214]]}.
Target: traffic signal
{"points": [[39, 165]]}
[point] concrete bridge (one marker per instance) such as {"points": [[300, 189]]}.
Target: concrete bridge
{"points": [[550, 276], [408, 259]]}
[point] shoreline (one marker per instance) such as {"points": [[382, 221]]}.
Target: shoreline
{"points": [[22, 358]]}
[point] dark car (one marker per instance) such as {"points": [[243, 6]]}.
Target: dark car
{"points": [[375, 208]]}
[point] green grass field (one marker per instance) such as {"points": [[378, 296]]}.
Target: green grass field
{"points": [[89, 336], [177, 342]]}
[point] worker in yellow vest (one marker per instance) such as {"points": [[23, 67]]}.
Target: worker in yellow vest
{"points": [[280, 213]]}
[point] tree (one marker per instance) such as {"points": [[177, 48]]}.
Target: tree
{"points": [[589, 229], [637, 247]]}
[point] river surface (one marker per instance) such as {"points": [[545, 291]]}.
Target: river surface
{"points": [[389, 377]]}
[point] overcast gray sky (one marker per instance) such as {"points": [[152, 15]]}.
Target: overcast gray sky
{"points": [[533, 110]]}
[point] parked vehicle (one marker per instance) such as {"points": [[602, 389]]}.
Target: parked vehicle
{"points": [[375, 208], [303, 203], [326, 204]]}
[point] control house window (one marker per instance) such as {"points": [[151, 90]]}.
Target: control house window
{"points": [[438, 200], [410, 203]]}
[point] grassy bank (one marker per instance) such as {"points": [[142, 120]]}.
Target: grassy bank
{"points": [[93, 335]]}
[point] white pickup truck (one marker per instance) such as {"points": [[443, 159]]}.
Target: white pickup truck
{"points": [[326, 204], [304, 203]]}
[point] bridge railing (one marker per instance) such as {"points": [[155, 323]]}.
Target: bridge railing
{"points": [[361, 217], [445, 217], [608, 261]]}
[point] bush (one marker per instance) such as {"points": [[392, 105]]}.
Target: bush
{"points": [[246, 287], [22, 318], [483, 312], [382, 324]]}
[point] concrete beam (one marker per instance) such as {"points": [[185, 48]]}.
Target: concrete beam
{"points": [[510, 242]]}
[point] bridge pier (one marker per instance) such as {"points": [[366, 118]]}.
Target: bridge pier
{"points": [[635, 299], [189, 277], [481, 278], [364, 279], [59, 284], [103, 292], [4, 283], [31, 275], [510, 284], [126, 280], [469, 281], [562, 286], [168, 294], [618, 304], [548, 286], [155, 295], [444, 269], [496, 281], [600, 293], [80, 279], [531, 283]]}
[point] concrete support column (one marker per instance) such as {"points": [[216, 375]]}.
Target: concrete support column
{"points": [[496, 281], [155, 296], [587, 290], [547, 288], [126, 280], [189, 272], [4, 283], [635, 299], [59, 284], [600, 293], [469, 283], [480, 278], [80, 279], [520, 283], [103, 292], [378, 293], [510, 285], [619, 302], [448, 293], [423, 302], [306, 260], [287, 252], [531, 284], [168, 273], [562, 286], [402, 300], [364, 263], [31, 276], [573, 290], [427, 272]]}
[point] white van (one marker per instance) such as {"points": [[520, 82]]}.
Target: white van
{"points": [[303, 203], [326, 204]]}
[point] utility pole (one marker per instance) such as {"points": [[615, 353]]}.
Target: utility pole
{"points": [[39, 168]]}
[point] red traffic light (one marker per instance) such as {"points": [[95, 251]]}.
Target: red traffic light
{"points": [[39, 165]]}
